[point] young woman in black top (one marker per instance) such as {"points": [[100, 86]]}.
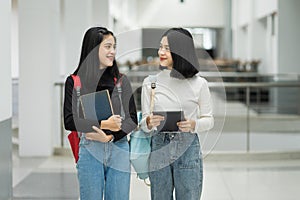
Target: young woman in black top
{"points": [[103, 165]]}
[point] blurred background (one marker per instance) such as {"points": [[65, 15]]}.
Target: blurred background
{"points": [[248, 51]]}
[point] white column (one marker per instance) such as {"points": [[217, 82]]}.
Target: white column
{"points": [[100, 13], [39, 67], [5, 102], [251, 32], [288, 36], [227, 52], [76, 21], [5, 62], [77, 18]]}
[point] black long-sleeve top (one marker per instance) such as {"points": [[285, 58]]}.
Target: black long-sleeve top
{"points": [[74, 123]]}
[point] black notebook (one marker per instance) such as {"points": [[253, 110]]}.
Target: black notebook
{"points": [[171, 119], [96, 105]]}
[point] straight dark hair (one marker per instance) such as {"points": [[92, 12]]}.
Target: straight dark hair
{"points": [[88, 66], [185, 62]]}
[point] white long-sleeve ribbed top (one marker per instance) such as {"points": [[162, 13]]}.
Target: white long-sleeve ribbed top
{"points": [[171, 94]]}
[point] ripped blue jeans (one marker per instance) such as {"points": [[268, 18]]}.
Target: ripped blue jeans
{"points": [[175, 163]]}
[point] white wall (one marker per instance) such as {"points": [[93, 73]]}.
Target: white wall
{"points": [[240, 43], [259, 48], [78, 16], [125, 14], [252, 33], [76, 22], [99, 13], [5, 102], [39, 24], [14, 40], [191, 13], [129, 45], [240, 29], [265, 7], [265, 41], [289, 40], [5, 61], [271, 61], [244, 12]]}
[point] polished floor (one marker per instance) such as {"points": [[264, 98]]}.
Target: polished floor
{"points": [[229, 172], [224, 179]]}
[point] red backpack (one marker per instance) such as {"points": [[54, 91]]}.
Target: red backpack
{"points": [[73, 137]]}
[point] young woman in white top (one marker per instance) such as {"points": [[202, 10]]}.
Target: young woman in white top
{"points": [[176, 158]]}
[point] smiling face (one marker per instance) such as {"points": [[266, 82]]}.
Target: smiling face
{"points": [[107, 51], [164, 53]]}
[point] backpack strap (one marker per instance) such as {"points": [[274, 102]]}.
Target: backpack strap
{"points": [[77, 87], [77, 84]]}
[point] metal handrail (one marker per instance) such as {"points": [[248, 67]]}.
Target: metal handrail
{"points": [[246, 85], [209, 74], [61, 85], [254, 85]]}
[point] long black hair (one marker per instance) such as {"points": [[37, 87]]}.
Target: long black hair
{"points": [[185, 62], [88, 66]]}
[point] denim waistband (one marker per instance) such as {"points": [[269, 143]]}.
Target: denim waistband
{"points": [[170, 132], [170, 135], [82, 136], [179, 135]]}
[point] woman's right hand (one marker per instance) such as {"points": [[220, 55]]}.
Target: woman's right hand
{"points": [[154, 120], [98, 135], [113, 123]]}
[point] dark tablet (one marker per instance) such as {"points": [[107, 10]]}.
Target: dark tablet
{"points": [[171, 119]]}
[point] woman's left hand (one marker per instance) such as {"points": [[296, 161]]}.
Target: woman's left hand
{"points": [[186, 126], [99, 135]]}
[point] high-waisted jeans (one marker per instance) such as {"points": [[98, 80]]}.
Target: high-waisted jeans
{"points": [[104, 170], [176, 163]]}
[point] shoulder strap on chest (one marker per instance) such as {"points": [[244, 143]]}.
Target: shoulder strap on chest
{"points": [[77, 87], [77, 83]]}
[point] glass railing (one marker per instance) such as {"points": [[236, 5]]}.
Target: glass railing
{"points": [[253, 112]]}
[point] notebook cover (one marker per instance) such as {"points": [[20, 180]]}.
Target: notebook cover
{"points": [[171, 119], [96, 105]]}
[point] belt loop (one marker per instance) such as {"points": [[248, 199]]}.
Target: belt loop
{"points": [[163, 136], [80, 135]]}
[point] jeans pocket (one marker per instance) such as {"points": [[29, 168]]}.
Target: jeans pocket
{"points": [[84, 156], [191, 158], [157, 141], [83, 140], [159, 156]]}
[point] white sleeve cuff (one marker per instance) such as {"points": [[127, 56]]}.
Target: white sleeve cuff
{"points": [[144, 126]]}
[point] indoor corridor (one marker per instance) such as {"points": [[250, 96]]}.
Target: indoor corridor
{"points": [[54, 178]]}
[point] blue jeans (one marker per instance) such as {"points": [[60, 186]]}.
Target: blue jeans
{"points": [[175, 163], [104, 170]]}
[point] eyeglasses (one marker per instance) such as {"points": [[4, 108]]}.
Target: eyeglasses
{"points": [[164, 48]]}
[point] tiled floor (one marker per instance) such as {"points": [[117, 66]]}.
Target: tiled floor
{"points": [[55, 178], [225, 177]]}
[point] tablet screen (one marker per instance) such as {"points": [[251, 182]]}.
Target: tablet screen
{"points": [[170, 121]]}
